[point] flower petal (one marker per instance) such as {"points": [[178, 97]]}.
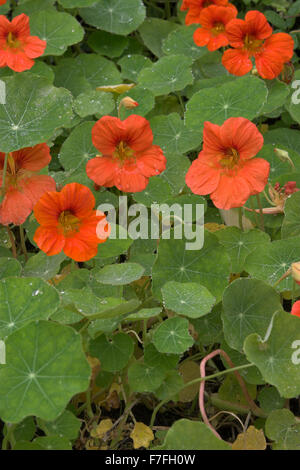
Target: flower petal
{"points": [[237, 62], [102, 170], [201, 178], [139, 135], [49, 240], [242, 135]]}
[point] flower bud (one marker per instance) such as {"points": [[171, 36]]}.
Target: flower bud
{"points": [[296, 271], [128, 103]]}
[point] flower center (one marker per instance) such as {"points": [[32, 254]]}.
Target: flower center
{"points": [[123, 152], [11, 165], [230, 159], [218, 29], [68, 223], [252, 44], [12, 41]]}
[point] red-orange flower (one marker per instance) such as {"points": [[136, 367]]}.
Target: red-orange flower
{"points": [[195, 7], [69, 222], [296, 309], [17, 47], [23, 184], [2, 2], [128, 157], [213, 22], [225, 168], [253, 37]]}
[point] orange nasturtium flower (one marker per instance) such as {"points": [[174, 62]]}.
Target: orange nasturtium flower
{"points": [[226, 168], [296, 309], [17, 47], [2, 2], [213, 22], [23, 183], [253, 37], [195, 7], [69, 222], [128, 158]]}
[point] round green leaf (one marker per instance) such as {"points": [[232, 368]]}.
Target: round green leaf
{"points": [[120, 274], [164, 362], [154, 41], [77, 149], [277, 355], [291, 221], [94, 102], [186, 435], [282, 427], [115, 16], [249, 305], [60, 30], [277, 95], [174, 174], [24, 300], [172, 336], [173, 136], [107, 44], [167, 75], [189, 299], [239, 244], [43, 266], [269, 262], [31, 6], [270, 400], [181, 41], [114, 353], [33, 110], [209, 266], [243, 97], [131, 65], [143, 378], [9, 267], [45, 367], [209, 327], [156, 192], [97, 70], [66, 425], [76, 3]]}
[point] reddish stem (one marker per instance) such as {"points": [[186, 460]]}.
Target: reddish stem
{"points": [[242, 384]]}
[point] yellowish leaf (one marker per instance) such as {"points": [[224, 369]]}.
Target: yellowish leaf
{"points": [[141, 435], [121, 88], [252, 439], [103, 427]]}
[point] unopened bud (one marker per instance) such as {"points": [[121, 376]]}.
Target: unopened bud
{"points": [[283, 155], [128, 103], [296, 271]]}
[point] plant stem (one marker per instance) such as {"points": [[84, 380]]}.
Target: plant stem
{"points": [[196, 381], [181, 102], [12, 241], [23, 244], [168, 9], [262, 226], [9, 438], [241, 219], [2, 193], [240, 380]]}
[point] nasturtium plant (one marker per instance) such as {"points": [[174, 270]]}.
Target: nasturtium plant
{"points": [[149, 226]]}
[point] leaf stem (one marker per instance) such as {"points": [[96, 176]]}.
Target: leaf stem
{"points": [[23, 244], [262, 225], [12, 241]]}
